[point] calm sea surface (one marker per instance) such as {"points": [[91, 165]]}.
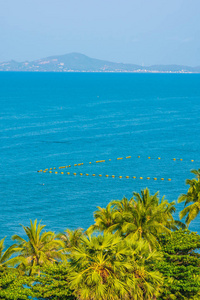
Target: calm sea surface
{"points": [[55, 119]]}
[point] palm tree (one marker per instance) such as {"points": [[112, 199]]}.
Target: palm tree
{"points": [[142, 217], [148, 217], [148, 283], [104, 220], [39, 249], [106, 267], [71, 238], [5, 257], [193, 197]]}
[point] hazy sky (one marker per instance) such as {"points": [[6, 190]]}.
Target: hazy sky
{"points": [[134, 31]]}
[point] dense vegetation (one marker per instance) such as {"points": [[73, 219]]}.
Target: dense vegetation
{"points": [[134, 250]]}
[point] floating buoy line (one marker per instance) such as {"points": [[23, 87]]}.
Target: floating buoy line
{"points": [[55, 170], [106, 175], [104, 160]]}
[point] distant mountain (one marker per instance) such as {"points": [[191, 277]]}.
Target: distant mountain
{"points": [[76, 62]]}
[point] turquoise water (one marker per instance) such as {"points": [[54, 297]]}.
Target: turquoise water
{"points": [[55, 119]]}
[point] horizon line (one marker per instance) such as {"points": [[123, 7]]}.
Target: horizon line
{"points": [[110, 61]]}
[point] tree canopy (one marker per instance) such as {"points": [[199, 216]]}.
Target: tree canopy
{"points": [[135, 250], [193, 196]]}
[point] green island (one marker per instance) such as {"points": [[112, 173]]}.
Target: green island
{"points": [[134, 250]]}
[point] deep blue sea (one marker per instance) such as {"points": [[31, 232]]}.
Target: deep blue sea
{"points": [[57, 119]]}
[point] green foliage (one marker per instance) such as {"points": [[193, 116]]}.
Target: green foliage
{"points": [[142, 217], [5, 256], [71, 238], [137, 253], [12, 285], [39, 249], [107, 267], [192, 196], [53, 283], [180, 266]]}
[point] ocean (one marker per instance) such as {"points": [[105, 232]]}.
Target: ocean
{"points": [[49, 120]]}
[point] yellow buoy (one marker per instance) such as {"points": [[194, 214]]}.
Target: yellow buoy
{"points": [[107, 175], [181, 159], [155, 178], [120, 176], [149, 157], [54, 168], [174, 158], [169, 179], [100, 175], [68, 173], [141, 177], [138, 156], [61, 172], [113, 176], [127, 176], [120, 158], [75, 165], [69, 166], [93, 174], [50, 171], [192, 160], [148, 178], [134, 177], [56, 172], [162, 178], [128, 156], [74, 173], [109, 159], [81, 174], [158, 157], [90, 162], [87, 174]]}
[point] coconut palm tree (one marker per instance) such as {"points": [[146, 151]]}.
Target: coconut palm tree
{"points": [[142, 217], [106, 267], [39, 248], [147, 218], [104, 220], [162, 209], [71, 239], [193, 197], [5, 256]]}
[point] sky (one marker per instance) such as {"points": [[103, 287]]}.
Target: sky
{"points": [[144, 32]]}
